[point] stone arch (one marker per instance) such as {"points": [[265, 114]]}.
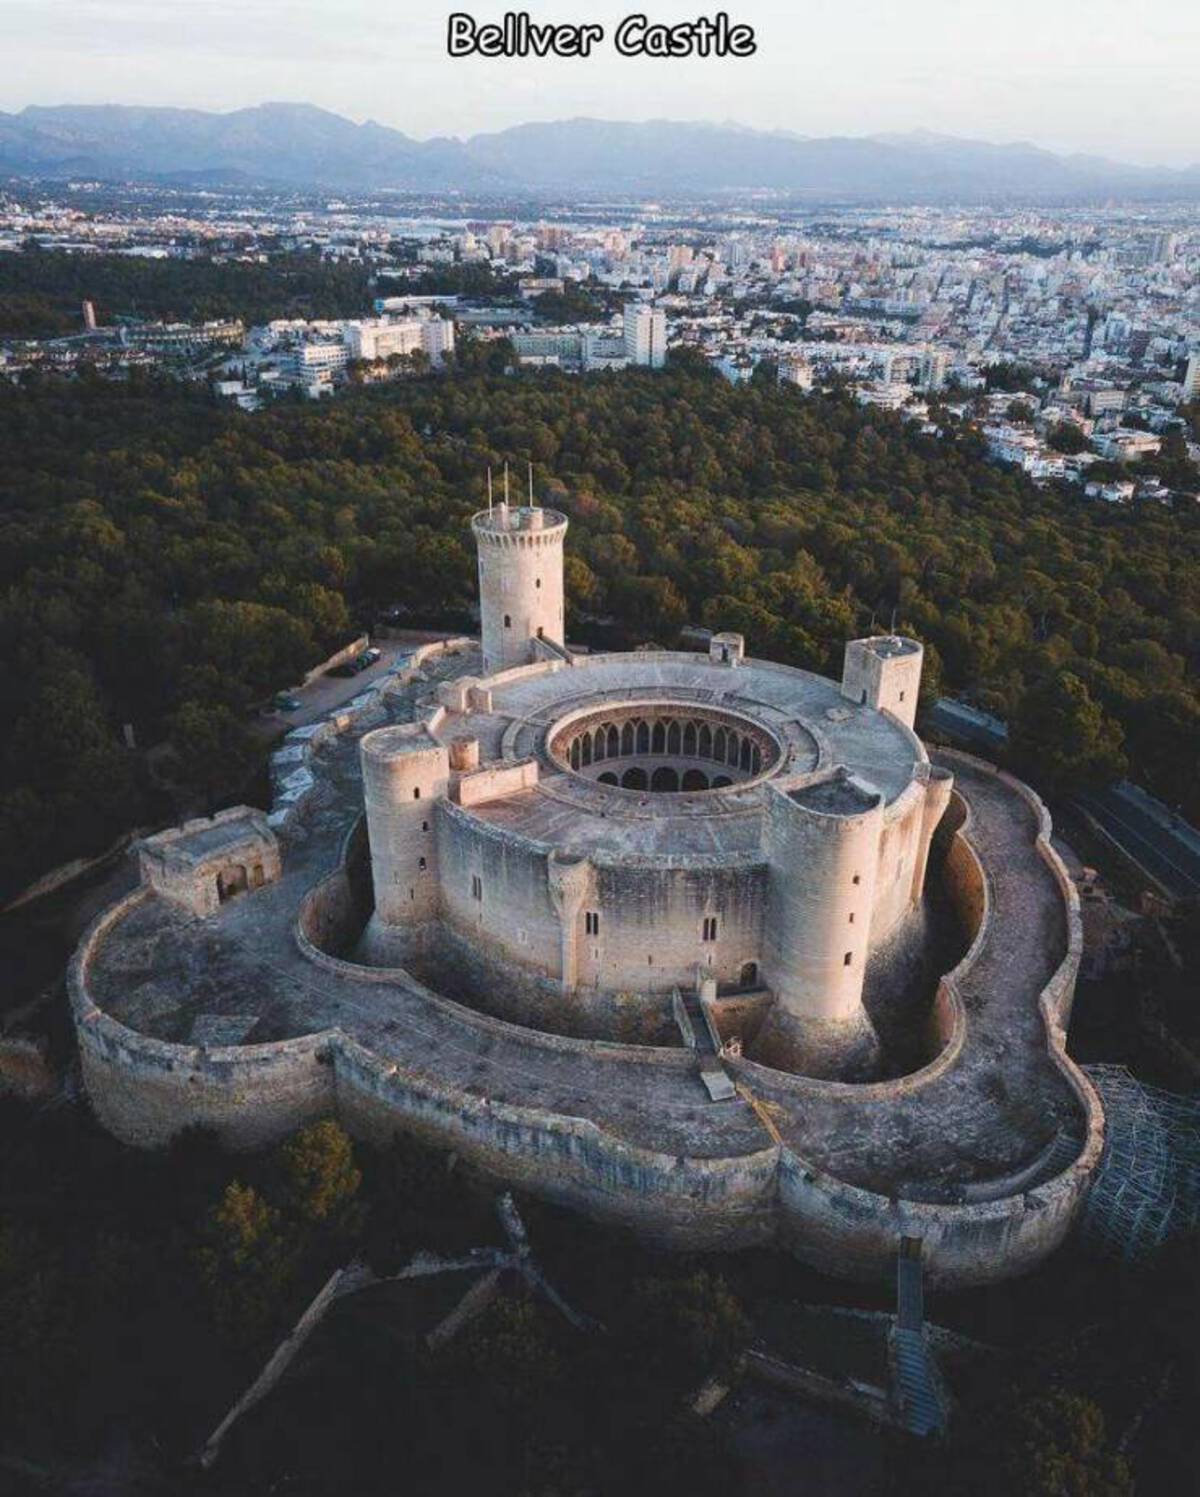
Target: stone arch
{"points": [[721, 781], [257, 877], [627, 739], [732, 744], [673, 737], [614, 741], [689, 740], [608, 778], [635, 779], [575, 752], [694, 779], [749, 975], [231, 881], [744, 756], [599, 745], [704, 742], [664, 779], [585, 753], [643, 738], [659, 738], [718, 749]]}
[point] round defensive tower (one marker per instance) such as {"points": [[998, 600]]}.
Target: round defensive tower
{"points": [[821, 840], [405, 772], [520, 581]]}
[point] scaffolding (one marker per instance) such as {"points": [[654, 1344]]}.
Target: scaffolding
{"points": [[1147, 1188]]}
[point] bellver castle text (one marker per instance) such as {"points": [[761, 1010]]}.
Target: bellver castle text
{"points": [[518, 35]]}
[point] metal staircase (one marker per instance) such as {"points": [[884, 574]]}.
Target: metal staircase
{"points": [[915, 1381]]}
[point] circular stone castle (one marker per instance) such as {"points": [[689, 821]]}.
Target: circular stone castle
{"points": [[697, 943]]}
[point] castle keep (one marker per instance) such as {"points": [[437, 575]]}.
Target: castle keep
{"points": [[655, 934]]}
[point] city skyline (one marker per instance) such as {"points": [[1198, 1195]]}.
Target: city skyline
{"points": [[1072, 79]]}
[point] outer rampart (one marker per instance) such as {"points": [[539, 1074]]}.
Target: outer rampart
{"points": [[145, 1090]]}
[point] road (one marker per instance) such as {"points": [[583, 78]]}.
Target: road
{"points": [[326, 692], [1166, 847]]}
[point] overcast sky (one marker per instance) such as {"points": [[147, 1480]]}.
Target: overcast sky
{"points": [[1116, 77]]}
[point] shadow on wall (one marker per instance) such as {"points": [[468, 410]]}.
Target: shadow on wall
{"points": [[903, 974]]}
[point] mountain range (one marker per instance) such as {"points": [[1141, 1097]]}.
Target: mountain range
{"points": [[299, 145]]}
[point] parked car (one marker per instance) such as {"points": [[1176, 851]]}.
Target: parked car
{"points": [[371, 657], [286, 702]]}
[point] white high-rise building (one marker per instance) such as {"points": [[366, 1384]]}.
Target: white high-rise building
{"points": [[373, 340], [645, 335], [933, 366]]}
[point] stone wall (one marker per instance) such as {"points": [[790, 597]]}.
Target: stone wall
{"points": [[146, 1090], [678, 1201]]}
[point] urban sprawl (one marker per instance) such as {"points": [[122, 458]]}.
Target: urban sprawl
{"points": [[1070, 338]]}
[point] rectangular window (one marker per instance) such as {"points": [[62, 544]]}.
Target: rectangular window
{"points": [[710, 927], [476, 886], [592, 922]]}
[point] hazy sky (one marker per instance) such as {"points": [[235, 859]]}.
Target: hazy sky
{"points": [[1117, 77]]}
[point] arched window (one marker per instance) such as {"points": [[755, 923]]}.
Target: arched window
{"points": [[755, 759], [673, 736], [634, 779], [689, 741], [694, 779], [508, 620], [585, 752], [734, 743], [643, 738], [608, 778], [614, 742], [664, 779], [575, 751], [749, 974], [718, 749], [660, 738], [627, 739], [720, 781], [704, 742], [598, 752], [744, 760]]}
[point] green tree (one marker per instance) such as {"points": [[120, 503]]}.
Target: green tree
{"points": [[245, 1263], [1067, 437], [1063, 739], [211, 747], [319, 1175], [1052, 1444]]}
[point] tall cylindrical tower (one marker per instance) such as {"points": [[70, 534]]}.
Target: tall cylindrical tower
{"points": [[520, 581], [405, 774], [821, 841]]}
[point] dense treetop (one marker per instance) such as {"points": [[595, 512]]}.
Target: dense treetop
{"points": [[42, 291], [166, 562]]}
